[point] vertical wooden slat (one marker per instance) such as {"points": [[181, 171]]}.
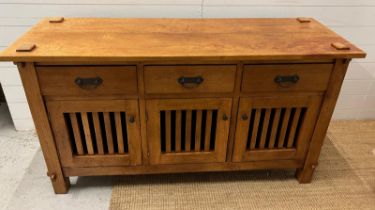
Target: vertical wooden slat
{"points": [[76, 133], [284, 128], [178, 131], [255, 128], [86, 129], [274, 127], [293, 128], [188, 131], [208, 131], [168, 129], [198, 128], [108, 131], [98, 133], [119, 134], [265, 128]]}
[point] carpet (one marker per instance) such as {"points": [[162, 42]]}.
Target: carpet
{"points": [[344, 179]]}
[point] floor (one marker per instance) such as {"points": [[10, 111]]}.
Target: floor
{"points": [[343, 180], [24, 184], [22, 168]]}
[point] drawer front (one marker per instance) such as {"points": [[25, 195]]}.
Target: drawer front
{"points": [[286, 77], [189, 79], [87, 80]]}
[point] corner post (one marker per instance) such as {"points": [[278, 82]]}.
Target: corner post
{"points": [[304, 175], [38, 110]]}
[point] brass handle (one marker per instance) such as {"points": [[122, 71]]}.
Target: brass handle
{"points": [[244, 117], [131, 119], [190, 82], [286, 80], [88, 83]]}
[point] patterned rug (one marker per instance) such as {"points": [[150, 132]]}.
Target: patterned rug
{"points": [[344, 179]]}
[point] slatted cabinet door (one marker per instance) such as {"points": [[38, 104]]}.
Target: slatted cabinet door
{"points": [[96, 133], [188, 130], [274, 128]]}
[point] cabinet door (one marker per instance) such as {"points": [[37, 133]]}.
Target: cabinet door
{"points": [[188, 130], [96, 133], [274, 128]]}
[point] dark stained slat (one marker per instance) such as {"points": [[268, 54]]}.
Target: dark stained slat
{"points": [[275, 125], [98, 133], [86, 129], [264, 129], [168, 131], [255, 129], [198, 128], [119, 134], [108, 132], [188, 131], [285, 122], [293, 129], [76, 133], [208, 131]]}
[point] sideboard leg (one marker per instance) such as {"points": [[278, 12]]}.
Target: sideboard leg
{"points": [[60, 183], [304, 175], [39, 113]]}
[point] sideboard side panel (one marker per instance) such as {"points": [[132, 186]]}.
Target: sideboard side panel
{"points": [[305, 174], [38, 110]]}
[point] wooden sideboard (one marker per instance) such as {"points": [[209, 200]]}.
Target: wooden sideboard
{"points": [[142, 96]]}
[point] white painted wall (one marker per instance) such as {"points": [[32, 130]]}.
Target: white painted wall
{"points": [[352, 19]]}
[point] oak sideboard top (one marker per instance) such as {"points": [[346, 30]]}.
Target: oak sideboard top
{"points": [[104, 39]]}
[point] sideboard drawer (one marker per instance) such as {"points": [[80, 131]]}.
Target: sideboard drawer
{"points": [[87, 80], [286, 77], [189, 79]]}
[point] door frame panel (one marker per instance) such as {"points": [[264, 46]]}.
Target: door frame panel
{"points": [[59, 127], [154, 106], [312, 102]]}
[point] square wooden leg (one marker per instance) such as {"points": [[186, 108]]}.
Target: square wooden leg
{"points": [[60, 184], [38, 110], [304, 175]]}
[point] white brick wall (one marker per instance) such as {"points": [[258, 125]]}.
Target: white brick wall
{"points": [[352, 19]]}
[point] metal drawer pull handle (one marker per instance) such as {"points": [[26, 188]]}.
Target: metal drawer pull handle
{"points": [[131, 119], [88, 83], [244, 117], [286, 81], [225, 117], [190, 82]]}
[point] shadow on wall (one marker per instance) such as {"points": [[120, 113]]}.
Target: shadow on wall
{"points": [[2, 96], [5, 118]]}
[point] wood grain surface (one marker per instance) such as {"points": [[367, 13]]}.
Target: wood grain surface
{"points": [[105, 39]]}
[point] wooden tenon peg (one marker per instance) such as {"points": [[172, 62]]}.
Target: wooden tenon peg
{"points": [[26, 48], [304, 20], [340, 46], [56, 20]]}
